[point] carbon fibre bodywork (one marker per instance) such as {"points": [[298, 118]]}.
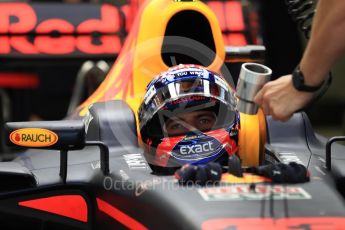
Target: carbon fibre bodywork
{"points": [[132, 196]]}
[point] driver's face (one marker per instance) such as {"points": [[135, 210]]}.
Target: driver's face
{"points": [[183, 123]]}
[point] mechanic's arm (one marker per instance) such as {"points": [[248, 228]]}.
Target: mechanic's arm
{"points": [[326, 45]]}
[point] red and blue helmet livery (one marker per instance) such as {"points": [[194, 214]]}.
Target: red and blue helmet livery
{"points": [[183, 89]]}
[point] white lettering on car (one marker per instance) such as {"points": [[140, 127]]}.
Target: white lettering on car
{"points": [[135, 161]]}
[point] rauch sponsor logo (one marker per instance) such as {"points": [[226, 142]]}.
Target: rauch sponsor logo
{"points": [[33, 137]]}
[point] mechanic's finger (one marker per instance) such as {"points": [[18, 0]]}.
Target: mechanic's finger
{"points": [[258, 99], [265, 107], [284, 118], [280, 116]]}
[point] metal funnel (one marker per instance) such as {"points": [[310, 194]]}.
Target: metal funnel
{"points": [[252, 77]]}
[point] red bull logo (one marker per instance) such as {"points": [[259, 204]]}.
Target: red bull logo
{"points": [[56, 35]]}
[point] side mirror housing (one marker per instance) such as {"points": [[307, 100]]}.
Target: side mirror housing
{"points": [[64, 135], [60, 135]]}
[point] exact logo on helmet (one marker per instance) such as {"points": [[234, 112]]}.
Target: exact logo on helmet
{"points": [[33, 137], [200, 148], [196, 147]]}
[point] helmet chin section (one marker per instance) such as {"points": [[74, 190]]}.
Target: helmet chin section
{"points": [[194, 148]]}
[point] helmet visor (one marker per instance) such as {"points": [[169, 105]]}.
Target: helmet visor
{"points": [[185, 94]]}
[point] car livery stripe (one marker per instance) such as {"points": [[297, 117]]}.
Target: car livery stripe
{"points": [[17, 80], [118, 215], [72, 206]]}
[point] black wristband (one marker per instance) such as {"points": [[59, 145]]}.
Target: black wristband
{"points": [[298, 82]]}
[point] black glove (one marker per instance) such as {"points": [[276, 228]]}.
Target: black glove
{"points": [[282, 173], [199, 174]]}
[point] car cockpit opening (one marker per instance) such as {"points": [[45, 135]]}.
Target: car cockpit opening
{"points": [[188, 39]]}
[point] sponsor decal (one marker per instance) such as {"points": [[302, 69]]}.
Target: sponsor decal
{"points": [[197, 148], [189, 73], [299, 223], [287, 157], [135, 161], [96, 165], [123, 175], [260, 192], [184, 73], [19, 19], [188, 99], [190, 137], [33, 137]]}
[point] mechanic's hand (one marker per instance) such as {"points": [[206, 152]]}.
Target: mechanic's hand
{"points": [[280, 99], [199, 174]]}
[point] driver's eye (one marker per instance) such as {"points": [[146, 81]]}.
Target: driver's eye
{"points": [[205, 123], [202, 121], [175, 126]]}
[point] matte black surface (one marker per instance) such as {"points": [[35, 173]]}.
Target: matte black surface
{"points": [[157, 201]]}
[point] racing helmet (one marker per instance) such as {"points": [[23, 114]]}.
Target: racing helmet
{"points": [[188, 93]]}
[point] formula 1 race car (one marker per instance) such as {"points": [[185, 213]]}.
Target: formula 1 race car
{"points": [[89, 172]]}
